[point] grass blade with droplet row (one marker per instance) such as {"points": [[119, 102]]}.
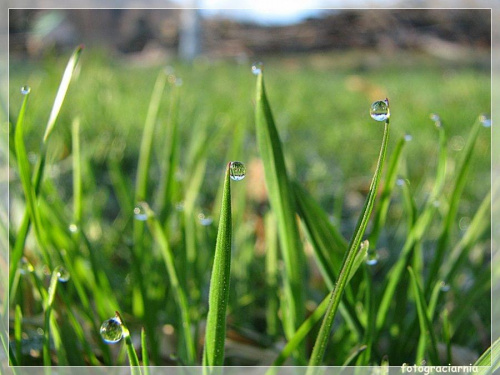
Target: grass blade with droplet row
{"points": [[281, 200], [40, 167], [350, 257], [215, 334]]}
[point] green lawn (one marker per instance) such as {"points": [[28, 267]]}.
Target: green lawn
{"points": [[321, 107]]}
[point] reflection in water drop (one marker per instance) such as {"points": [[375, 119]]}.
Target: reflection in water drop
{"points": [[237, 170], [204, 220], [437, 120], [25, 90], [257, 68], [485, 121], [379, 110], [111, 330], [444, 287], [140, 212], [62, 274]]}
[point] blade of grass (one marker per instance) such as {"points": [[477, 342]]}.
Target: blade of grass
{"points": [[131, 353], [281, 199], [490, 359], [215, 334], [426, 328], [18, 318], [271, 274], [40, 167], [454, 201], [77, 173], [145, 356], [336, 294], [179, 293], [447, 336]]}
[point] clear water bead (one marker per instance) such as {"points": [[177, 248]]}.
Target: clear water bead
{"points": [[371, 258], [25, 90], [62, 274], [444, 287], [408, 137], [111, 330], [257, 68], [205, 220], [379, 110], [237, 170], [437, 120], [485, 121], [73, 228], [140, 212]]}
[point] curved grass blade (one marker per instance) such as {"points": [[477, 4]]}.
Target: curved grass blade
{"points": [[77, 173], [336, 294], [426, 328], [144, 350], [61, 92], [215, 334], [490, 359], [456, 193], [179, 293], [281, 200], [40, 167], [131, 353]]}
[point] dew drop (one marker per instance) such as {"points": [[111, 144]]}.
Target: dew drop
{"points": [[485, 121], [408, 137], [25, 90], [371, 258], [379, 110], [111, 330], [237, 170], [444, 287], [73, 228], [204, 220], [140, 212], [437, 120], [464, 223], [400, 181], [62, 274], [257, 68], [25, 266]]}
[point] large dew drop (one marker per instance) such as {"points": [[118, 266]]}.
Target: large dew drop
{"points": [[437, 119], [25, 90], [140, 212], [111, 330], [485, 121], [237, 170], [257, 68], [379, 110], [62, 274]]}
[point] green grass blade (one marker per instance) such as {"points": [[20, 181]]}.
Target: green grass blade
{"points": [[215, 334], [426, 328], [490, 359], [281, 200], [48, 312], [131, 353], [454, 201], [271, 275], [179, 293], [77, 174], [144, 350], [336, 294], [61, 92], [447, 336], [18, 318], [25, 177]]}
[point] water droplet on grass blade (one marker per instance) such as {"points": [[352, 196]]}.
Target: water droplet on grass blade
{"points": [[437, 120], [25, 90], [140, 212], [257, 68], [237, 170], [485, 121], [25, 266], [205, 220], [408, 137], [111, 330], [444, 287], [379, 110], [62, 274], [73, 228], [371, 257]]}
